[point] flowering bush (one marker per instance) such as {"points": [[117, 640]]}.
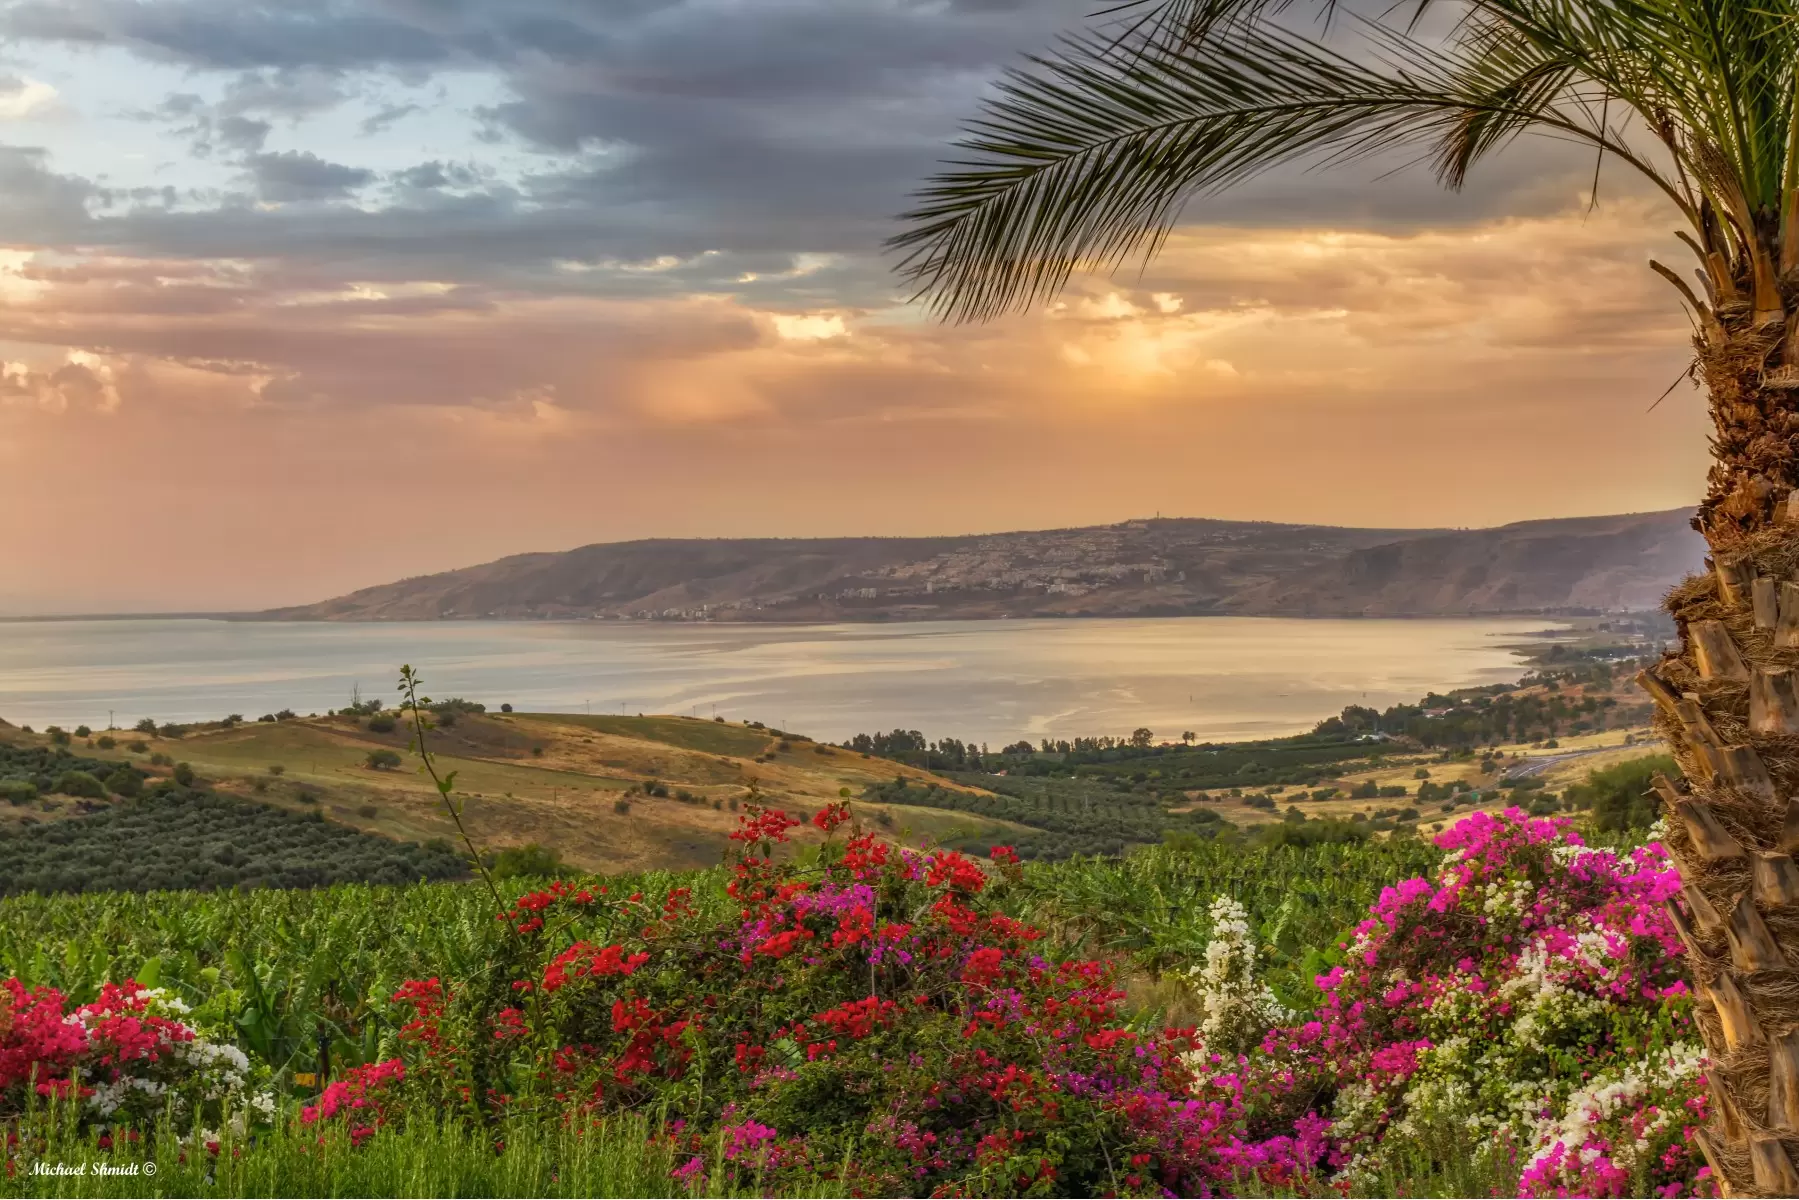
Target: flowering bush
{"points": [[874, 1012], [1527, 996], [878, 1018], [128, 1057]]}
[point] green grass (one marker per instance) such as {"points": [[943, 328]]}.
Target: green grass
{"points": [[624, 1156], [686, 733]]}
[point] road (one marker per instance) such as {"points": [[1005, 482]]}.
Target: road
{"points": [[1536, 766]]}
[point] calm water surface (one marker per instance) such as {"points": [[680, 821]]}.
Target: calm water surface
{"points": [[992, 681]]}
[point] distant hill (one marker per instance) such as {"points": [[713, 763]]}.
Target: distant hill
{"points": [[1138, 568]]}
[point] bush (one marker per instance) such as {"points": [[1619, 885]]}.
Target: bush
{"points": [[18, 792], [367, 812], [277, 769], [381, 723], [82, 731], [125, 782], [184, 774], [159, 759], [168, 1066], [919, 1058], [286, 714], [105, 742], [528, 861], [137, 747], [1621, 797], [382, 760], [147, 725], [171, 837], [621, 806], [505, 708], [58, 735], [172, 730], [80, 783]]}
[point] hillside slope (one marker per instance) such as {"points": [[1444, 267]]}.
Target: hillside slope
{"points": [[1138, 568]]}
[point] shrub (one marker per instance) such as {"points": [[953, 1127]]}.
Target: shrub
{"points": [[530, 860], [125, 782], [286, 714], [940, 1070], [537, 751], [137, 747], [172, 730], [367, 812], [58, 735], [382, 760], [381, 723], [105, 742], [277, 769], [159, 759], [147, 725], [1621, 797], [505, 708], [82, 731], [184, 774], [621, 806], [80, 783], [18, 792], [132, 1054]]}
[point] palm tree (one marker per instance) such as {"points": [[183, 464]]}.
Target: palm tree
{"points": [[1086, 157]]}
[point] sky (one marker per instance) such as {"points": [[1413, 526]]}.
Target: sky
{"points": [[298, 296]]}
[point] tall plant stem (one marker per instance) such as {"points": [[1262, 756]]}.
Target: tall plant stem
{"points": [[409, 688]]}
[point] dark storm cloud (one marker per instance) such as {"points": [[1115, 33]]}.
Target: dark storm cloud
{"points": [[292, 175], [751, 131]]}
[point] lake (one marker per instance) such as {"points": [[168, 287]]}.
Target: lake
{"points": [[1222, 678]]}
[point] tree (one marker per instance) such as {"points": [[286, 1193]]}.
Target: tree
{"points": [[383, 760], [1085, 160], [1141, 737]]}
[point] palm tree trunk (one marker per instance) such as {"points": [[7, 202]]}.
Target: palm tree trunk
{"points": [[1726, 702]]}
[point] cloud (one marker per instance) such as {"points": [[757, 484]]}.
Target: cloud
{"points": [[21, 97], [83, 381], [614, 269], [300, 175]]}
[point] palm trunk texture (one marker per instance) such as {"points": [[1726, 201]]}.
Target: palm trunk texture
{"points": [[1728, 704]]}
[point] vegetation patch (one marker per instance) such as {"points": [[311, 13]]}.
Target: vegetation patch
{"points": [[183, 838]]}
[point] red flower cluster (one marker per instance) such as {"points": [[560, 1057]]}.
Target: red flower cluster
{"points": [[582, 959], [762, 825], [831, 816], [358, 1098], [44, 1045], [856, 1019], [961, 874]]}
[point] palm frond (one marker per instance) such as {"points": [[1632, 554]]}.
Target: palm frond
{"points": [[1087, 156]]}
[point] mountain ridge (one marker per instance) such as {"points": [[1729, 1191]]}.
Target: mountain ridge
{"points": [[1175, 566]]}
